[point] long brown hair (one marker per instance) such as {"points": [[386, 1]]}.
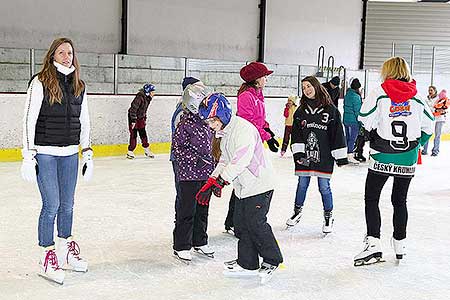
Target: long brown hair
{"points": [[246, 85], [321, 93], [215, 145], [48, 77]]}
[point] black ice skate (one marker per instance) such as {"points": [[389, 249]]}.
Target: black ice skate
{"points": [[371, 253], [295, 218]]}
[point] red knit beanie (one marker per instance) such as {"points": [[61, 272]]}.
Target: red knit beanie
{"points": [[253, 71]]}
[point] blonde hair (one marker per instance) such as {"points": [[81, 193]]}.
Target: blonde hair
{"points": [[293, 98], [48, 75], [395, 68]]}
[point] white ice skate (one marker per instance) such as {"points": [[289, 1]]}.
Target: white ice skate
{"points": [[399, 248], [295, 218], [148, 153], [351, 159], [232, 269], [48, 266], [266, 272], [204, 250], [130, 155], [68, 253], [183, 255], [371, 253], [327, 222]]}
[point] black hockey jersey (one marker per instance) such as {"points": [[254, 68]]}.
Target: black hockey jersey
{"points": [[317, 140]]}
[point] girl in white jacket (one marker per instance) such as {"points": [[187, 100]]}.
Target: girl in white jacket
{"points": [[242, 161]]}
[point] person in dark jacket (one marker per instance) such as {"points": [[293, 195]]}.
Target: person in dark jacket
{"points": [[137, 117], [194, 164], [56, 124], [317, 142], [352, 105], [333, 90]]}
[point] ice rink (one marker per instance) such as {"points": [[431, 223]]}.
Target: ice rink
{"points": [[123, 222]]}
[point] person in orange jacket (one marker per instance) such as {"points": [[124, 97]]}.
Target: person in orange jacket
{"points": [[440, 107]]}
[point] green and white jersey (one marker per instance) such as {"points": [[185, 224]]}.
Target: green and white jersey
{"points": [[397, 130]]}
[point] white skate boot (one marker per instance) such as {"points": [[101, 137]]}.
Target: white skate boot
{"points": [[148, 153], [183, 255], [351, 159], [399, 248], [205, 250], [130, 155], [371, 253], [68, 253], [327, 222], [266, 272], [232, 269], [48, 266], [295, 218]]}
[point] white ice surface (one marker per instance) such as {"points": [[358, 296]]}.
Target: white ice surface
{"points": [[124, 219]]}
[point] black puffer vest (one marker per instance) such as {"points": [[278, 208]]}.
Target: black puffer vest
{"points": [[59, 124]]}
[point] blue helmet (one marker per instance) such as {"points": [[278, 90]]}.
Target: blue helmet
{"points": [[216, 105], [147, 88]]}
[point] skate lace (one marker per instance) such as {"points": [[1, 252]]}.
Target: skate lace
{"points": [[51, 258], [74, 249]]}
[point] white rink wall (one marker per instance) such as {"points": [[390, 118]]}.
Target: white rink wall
{"points": [[108, 115]]}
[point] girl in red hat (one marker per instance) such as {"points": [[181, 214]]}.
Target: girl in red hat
{"points": [[250, 106]]}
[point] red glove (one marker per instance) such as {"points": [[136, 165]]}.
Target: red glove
{"points": [[212, 185]]}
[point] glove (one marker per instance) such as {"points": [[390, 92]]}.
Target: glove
{"points": [[87, 163], [273, 144], [212, 185], [267, 129], [300, 159], [342, 162], [29, 167]]}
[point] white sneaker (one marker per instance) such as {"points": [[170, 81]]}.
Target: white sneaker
{"points": [[205, 250], [266, 272], [148, 153], [295, 218], [130, 155], [371, 253], [399, 247], [233, 269], [351, 159], [327, 222], [184, 255], [68, 253], [49, 267]]}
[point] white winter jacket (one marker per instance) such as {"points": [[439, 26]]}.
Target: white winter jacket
{"points": [[244, 160]]}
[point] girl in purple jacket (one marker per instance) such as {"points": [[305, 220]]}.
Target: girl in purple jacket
{"points": [[192, 155]]}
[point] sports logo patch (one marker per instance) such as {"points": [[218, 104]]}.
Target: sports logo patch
{"points": [[399, 109]]}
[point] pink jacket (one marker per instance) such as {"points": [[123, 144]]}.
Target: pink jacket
{"points": [[250, 106]]}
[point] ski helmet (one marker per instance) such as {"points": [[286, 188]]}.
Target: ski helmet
{"points": [[216, 105], [147, 88], [192, 97]]}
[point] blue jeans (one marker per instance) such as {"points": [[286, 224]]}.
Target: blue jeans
{"points": [[351, 132], [57, 178], [437, 137], [324, 189]]}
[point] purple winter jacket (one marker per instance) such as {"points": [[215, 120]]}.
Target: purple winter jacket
{"points": [[192, 148]]}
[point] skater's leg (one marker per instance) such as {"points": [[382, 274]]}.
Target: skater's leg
{"points": [[302, 188], [47, 180], [374, 185], [229, 222], [325, 192], [398, 199], [260, 231], [184, 222], [140, 125], [200, 236], [437, 138], [286, 138], [133, 137], [247, 252], [67, 181]]}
